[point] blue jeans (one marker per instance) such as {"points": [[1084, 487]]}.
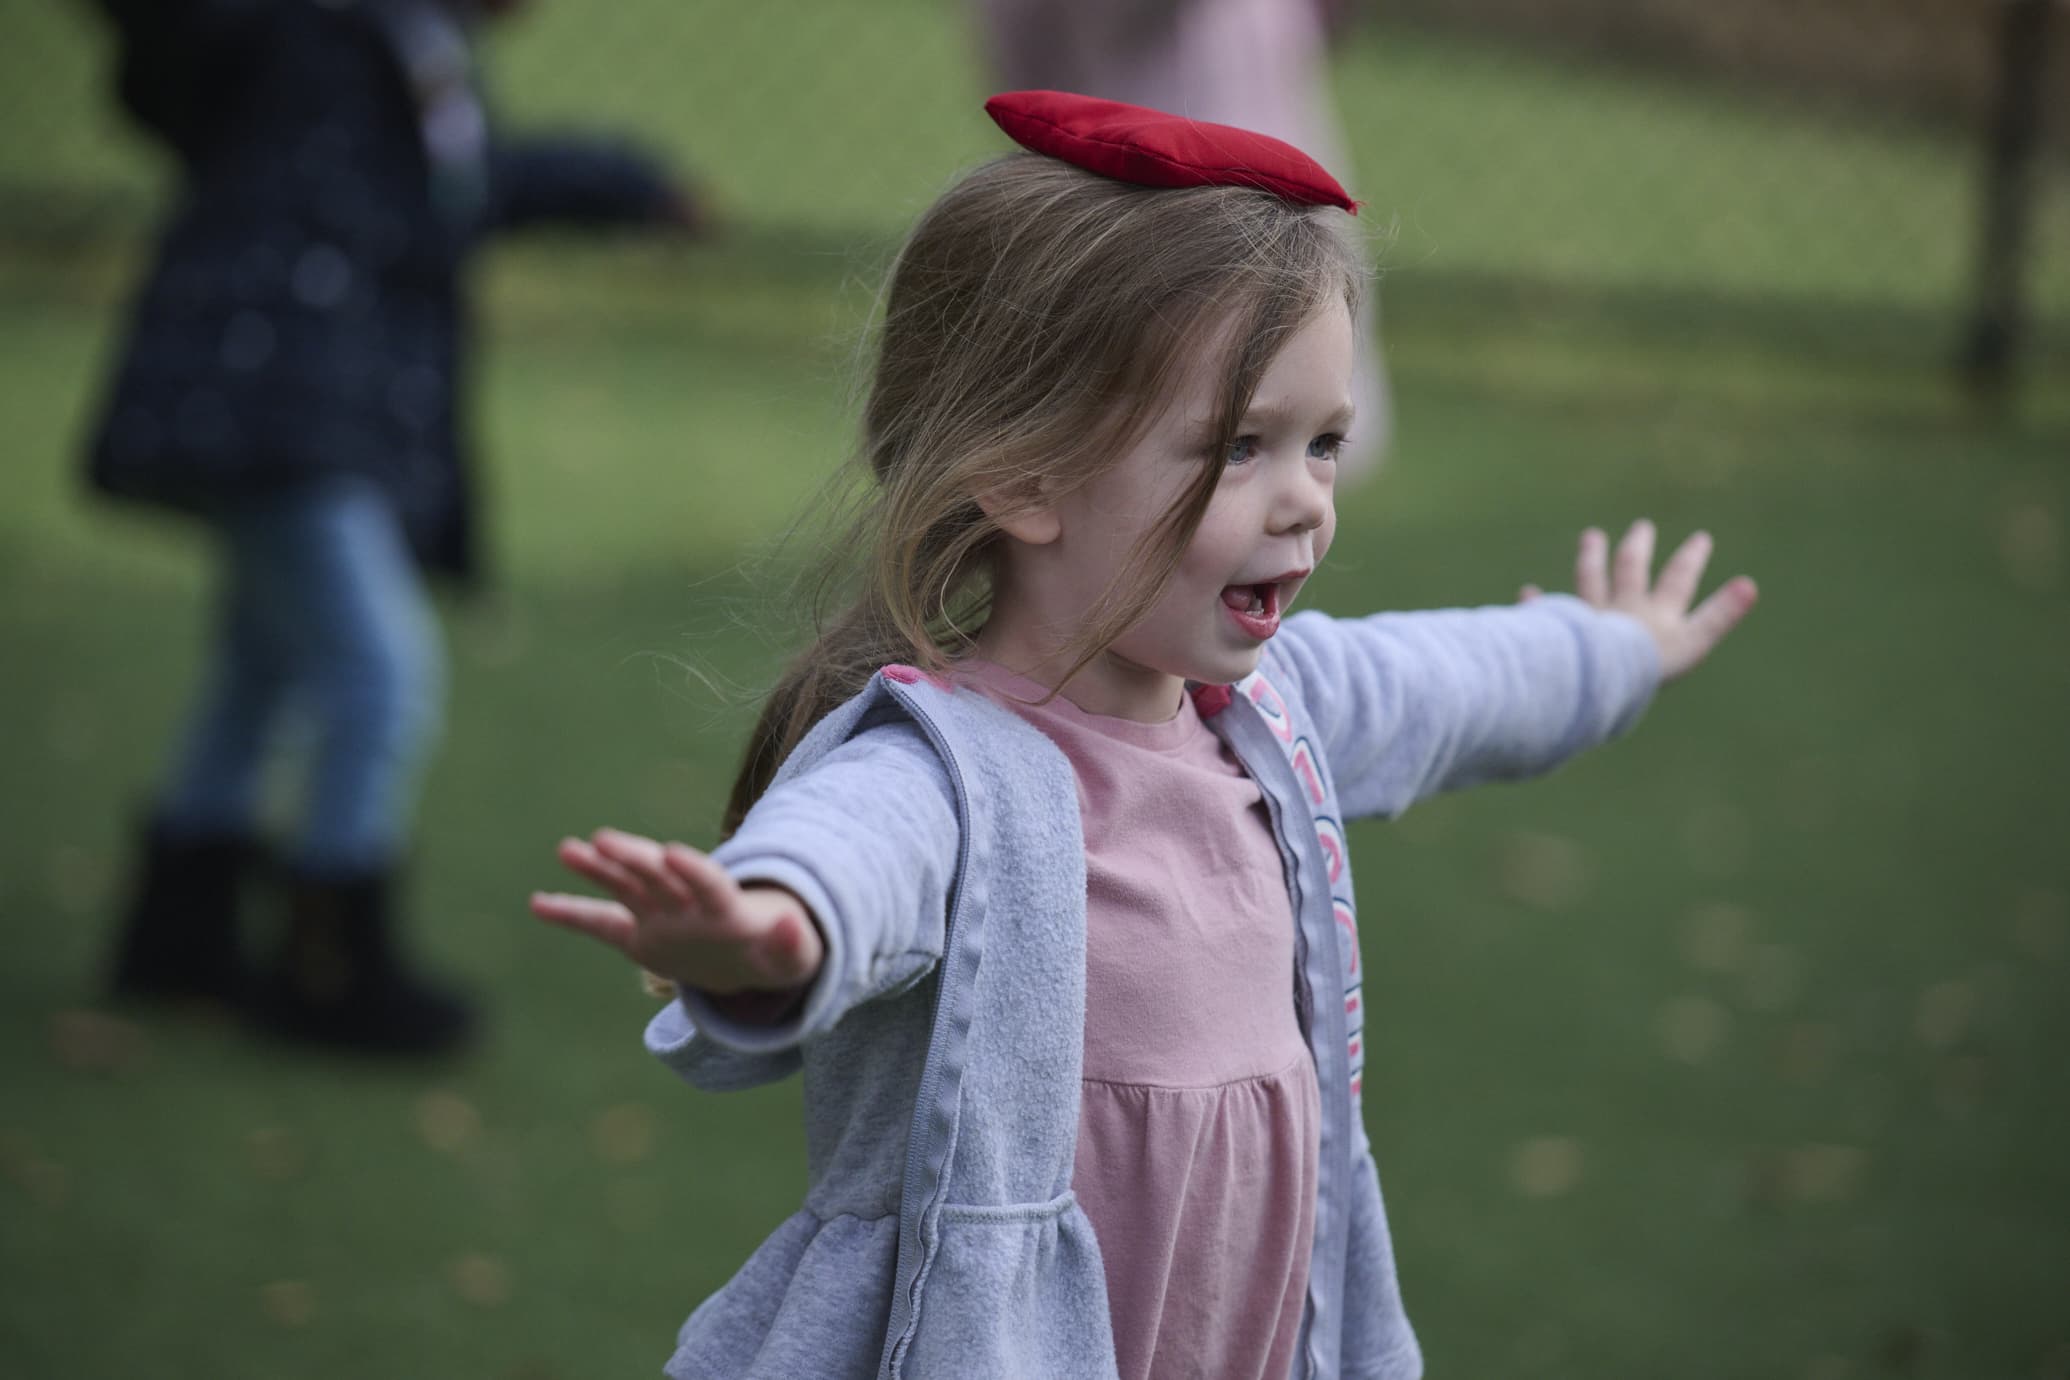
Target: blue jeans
{"points": [[323, 617]]}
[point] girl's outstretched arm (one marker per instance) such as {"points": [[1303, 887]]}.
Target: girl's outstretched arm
{"points": [[1410, 704], [834, 891], [678, 914], [571, 179]]}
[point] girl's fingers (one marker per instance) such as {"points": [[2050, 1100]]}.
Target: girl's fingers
{"points": [[603, 920], [1720, 614], [1683, 572], [1632, 573], [792, 951], [711, 888], [1591, 577], [1528, 593], [581, 857], [642, 858]]}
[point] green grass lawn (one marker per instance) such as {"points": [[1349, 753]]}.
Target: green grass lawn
{"points": [[1732, 1051]]}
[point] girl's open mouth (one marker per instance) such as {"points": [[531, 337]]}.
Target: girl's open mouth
{"points": [[1254, 607]]}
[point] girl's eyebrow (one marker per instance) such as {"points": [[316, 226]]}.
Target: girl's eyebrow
{"points": [[1201, 432], [1270, 415]]}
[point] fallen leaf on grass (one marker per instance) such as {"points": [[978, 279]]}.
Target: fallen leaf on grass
{"points": [[2041, 923], [1774, 976], [1717, 839], [1715, 936], [624, 1134], [1804, 1174], [633, 1205], [1961, 1083], [78, 880], [1692, 1028], [1545, 871], [1902, 1348], [483, 1280], [276, 1152], [1546, 1166], [1822, 1173], [2030, 547], [72, 732], [447, 1121], [88, 1041], [1805, 1055], [1942, 1015], [289, 1302], [497, 635], [46, 1181]]}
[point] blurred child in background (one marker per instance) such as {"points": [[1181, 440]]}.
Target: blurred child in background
{"points": [[294, 379]]}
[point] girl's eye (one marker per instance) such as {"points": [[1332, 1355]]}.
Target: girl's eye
{"points": [[1325, 447], [1241, 451]]}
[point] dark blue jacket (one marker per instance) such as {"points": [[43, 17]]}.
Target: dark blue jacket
{"points": [[305, 314]]}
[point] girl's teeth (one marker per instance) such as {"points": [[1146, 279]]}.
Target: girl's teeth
{"points": [[1251, 600]]}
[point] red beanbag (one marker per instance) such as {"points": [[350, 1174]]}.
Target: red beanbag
{"points": [[1131, 143]]}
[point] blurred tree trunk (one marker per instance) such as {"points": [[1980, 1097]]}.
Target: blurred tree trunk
{"points": [[1989, 353]]}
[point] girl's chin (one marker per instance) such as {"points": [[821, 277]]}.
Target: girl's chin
{"points": [[1220, 665], [1227, 667]]}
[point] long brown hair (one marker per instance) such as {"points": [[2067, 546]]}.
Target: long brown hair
{"points": [[1038, 318]]}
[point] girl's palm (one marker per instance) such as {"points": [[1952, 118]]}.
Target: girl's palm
{"points": [[1684, 635], [677, 913]]}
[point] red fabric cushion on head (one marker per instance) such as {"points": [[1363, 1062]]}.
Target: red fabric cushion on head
{"points": [[1133, 143]]}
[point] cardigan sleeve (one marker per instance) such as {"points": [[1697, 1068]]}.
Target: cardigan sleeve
{"points": [[1411, 704], [868, 839]]}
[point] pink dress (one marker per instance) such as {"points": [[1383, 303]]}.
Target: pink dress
{"points": [[1199, 1114]]}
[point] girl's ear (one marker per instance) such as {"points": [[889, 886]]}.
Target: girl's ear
{"points": [[1022, 515]]}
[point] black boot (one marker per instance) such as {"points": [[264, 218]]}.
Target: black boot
{"points": [[180, 939], [342, 983]]}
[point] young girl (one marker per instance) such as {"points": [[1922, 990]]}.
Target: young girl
{"points": [[1036, 862]]}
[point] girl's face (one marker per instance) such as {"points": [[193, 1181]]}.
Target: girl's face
{"points": [[1268, 525]]}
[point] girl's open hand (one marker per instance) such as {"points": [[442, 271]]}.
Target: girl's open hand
{"points": [[1684, 635], [680, 915]]}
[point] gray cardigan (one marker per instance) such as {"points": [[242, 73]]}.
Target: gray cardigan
{"points": [[936, 837]]}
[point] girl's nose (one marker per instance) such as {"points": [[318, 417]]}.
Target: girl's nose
{"points": [[1304, 500]]}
